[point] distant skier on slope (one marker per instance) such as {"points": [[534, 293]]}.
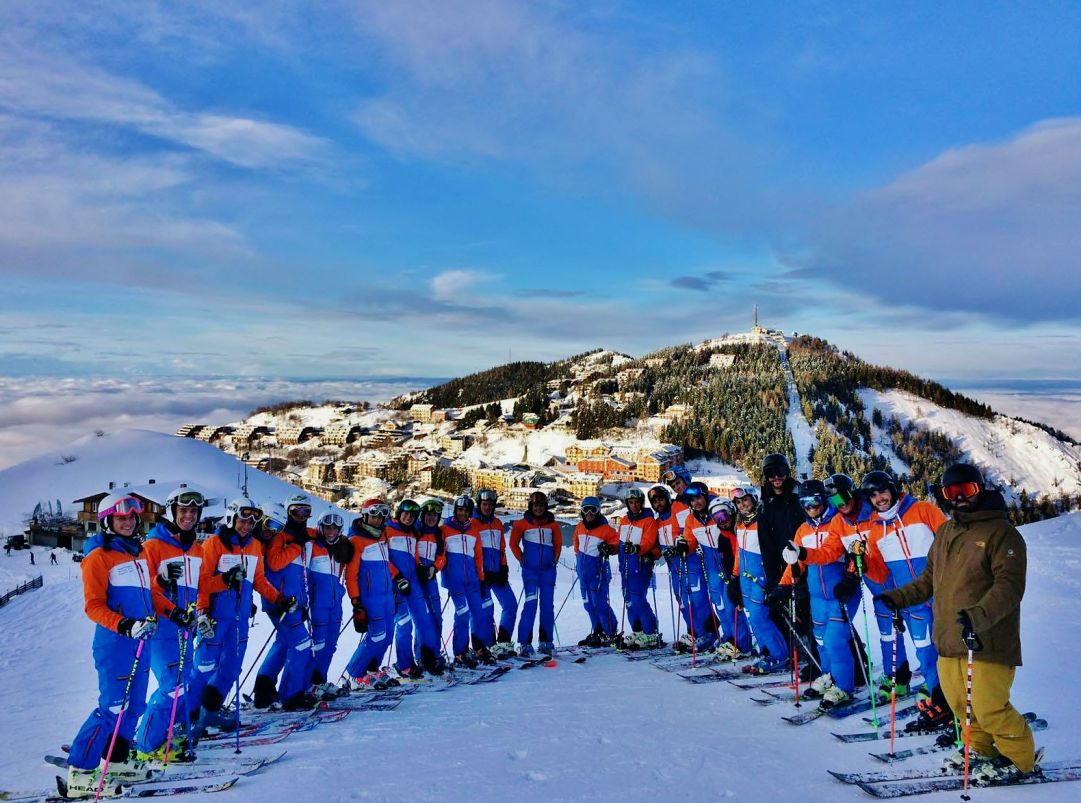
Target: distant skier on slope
{"points": [[536, 540], [117, 592]]}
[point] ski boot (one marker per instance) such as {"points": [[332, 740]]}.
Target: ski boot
{"points": [[933, 714], [265, 693], [485, 656], [83, 785], [432, 662], [410, 675], [546, 648], [526, 651], [818, 687], [765, 666], [502, 649], [684, 644], [651, 641], [466, 659], [954, 763], [726, 651], [1000, 770], [834, 696]]}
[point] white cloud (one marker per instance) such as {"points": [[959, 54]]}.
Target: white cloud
{"points": [[457, 286]]}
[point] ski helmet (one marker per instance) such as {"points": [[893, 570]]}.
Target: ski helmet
{"points": [[812, 493], [375, 507], [634, 493], [775, 465], [840, 490], [697, 489], [273, 522], [432, 506], [590, 503], [242, 508], [487, 495], [723, 512], [406, 506], [678, 472], [118, 504], [330, 519], [659, 491], [299, 502], [539, 496], [961, 481], [464, 501], [879, 481], [183, 496], [740, 493]]}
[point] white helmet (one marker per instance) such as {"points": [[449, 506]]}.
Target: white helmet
{"points": [[122, 503], [183, 496], [330, 519], [244, 508], [298, 500], [274, 519]]}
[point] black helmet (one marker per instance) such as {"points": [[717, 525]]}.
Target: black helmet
{"points": [[464, 501], [407, 506], [962, 472], [840, 490], [487, 495], [539, 496], [634, 493], [879, 481], [775, 463], [812, 493]]}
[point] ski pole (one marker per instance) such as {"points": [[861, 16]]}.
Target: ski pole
{"points": [[623, 578], [257, 657], [569, 591], [672, 603], [867, 638], [236, 694], [124, 707], [176, 692], [968, 721], [898, 632]]}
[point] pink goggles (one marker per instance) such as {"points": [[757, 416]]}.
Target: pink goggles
{"points": [[122, 507]]}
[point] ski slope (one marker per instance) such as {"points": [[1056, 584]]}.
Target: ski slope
{"points": [[607, 729]]}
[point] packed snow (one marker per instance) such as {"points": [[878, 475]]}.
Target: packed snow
{"points": [[607, 729]]}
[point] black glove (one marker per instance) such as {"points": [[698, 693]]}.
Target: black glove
{"points": [[426, 573], [173, 571], [630, 548], [288, 604], [234, 577], [343, 550], [668, 552], [735, 593], [182, 617], [779, 595], [847, 588], [646, 561], [886, 600], [605, 550], [498, 577], [968, 635], [137, 628], [682, 547], [254, 610], [403, 586], [360, 618]]}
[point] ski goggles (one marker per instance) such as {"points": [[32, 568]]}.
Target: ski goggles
{"points": [[487, 496], [272, 525], [775, 473], [408, 506], [381, 510], [692, 492], [814, 500], [590, 509], [670, 475], [432, 507], [249, 513], [304, 511], [331, 520], [960, 490], [739, 493], [127, 506], [190, 499], [839, 499], [723, 518]]}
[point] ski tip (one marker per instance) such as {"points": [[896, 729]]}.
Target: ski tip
{"points": [[551, 663]]}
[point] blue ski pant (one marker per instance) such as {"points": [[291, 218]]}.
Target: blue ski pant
{"points": [[765, 632], [218, 660], [540, 587], [429, 590], [296, 639], [326, 627], [412, 613], [693, 602], [114, 658], [886, 634], [833, 637], [594, 577], [173, 682], [637, 577], [734, 627], [373, 644], [508, 610], [469, 613]]}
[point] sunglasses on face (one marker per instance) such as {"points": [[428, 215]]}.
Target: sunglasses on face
{"points": [[776, 474]]}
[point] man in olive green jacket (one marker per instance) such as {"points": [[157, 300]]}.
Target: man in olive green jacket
{"points": [[976, 573]]}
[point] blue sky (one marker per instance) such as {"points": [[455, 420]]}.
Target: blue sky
{"points": [[422, 188]]}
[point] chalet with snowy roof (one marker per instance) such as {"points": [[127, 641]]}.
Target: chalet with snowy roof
{"points": [[293, 434], [188, 430], [247, 434], [341, 433], [422, 412]]}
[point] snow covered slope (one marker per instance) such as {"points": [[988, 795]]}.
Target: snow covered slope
{"points": [[604, 730], [134, 456], [1014, 454]]}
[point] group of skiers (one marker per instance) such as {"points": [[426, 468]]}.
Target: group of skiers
{"points": [[771, 575]]}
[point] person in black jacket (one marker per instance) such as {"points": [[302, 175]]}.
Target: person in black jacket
{"points": [[780, 515]]}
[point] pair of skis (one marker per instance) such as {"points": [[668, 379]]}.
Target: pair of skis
{"points": [[888, 785]]}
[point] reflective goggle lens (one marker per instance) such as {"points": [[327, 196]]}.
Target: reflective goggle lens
{"points": [[962, 490], [590, 509], [124, 507], [723, 518], [250, 513], [814, 500], [301, 510], [739, 493], [273, 525], [378, 510], [332, 520], [191, 499], [487, 496], [839, 499]]}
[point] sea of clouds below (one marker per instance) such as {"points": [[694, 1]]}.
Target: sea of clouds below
{"points": [[39, 414]]}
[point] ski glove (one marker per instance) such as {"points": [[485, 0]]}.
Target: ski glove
{"points": [[234, 577], [137, 628], [343, 550], [646, 561], [886, 600], [181, 617], [847, 588], [403, 586], [287, 604], [668, 552], [605, 550], [968, 635], [858, 547], [779, 594], [735, 593], [426, 573], [360, 617], [254, 610], [793, 554], [174, 570], [682, 547], [499, 577], [205, 626], [630, 548]]}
